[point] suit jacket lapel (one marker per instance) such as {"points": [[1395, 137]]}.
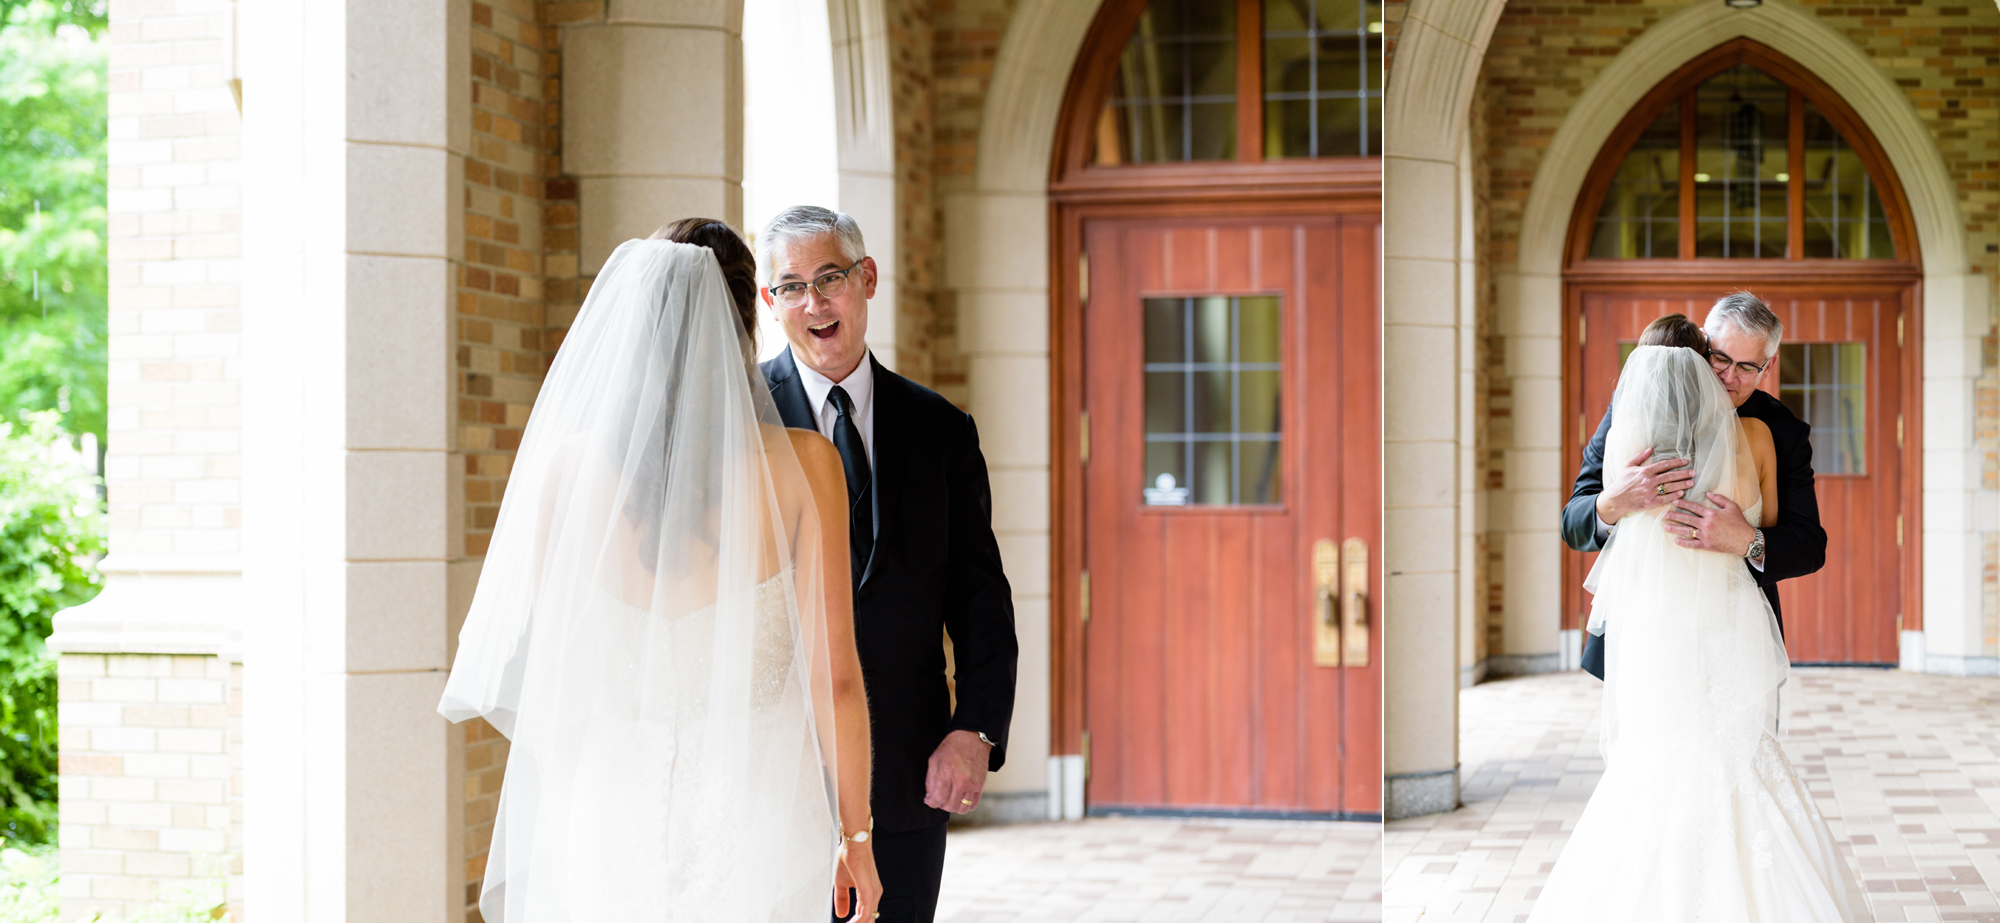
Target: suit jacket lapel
{"points": [[790, 394], [888, 444]]}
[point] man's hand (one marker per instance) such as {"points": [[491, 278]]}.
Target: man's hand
{"points": [[1636, 487], [1722, 529], [958, 773]]}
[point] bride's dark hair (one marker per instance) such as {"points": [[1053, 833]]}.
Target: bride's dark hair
{"points": [[1675, 330], [739, 266]]}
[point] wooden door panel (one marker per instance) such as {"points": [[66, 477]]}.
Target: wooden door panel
{"points": [[1848, 611], [1201, 686]]}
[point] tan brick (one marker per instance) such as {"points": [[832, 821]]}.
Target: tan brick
{"points": [[122, 839], [89, 765]]}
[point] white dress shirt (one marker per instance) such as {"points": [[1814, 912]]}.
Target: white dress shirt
{"points": [[860, 387]]}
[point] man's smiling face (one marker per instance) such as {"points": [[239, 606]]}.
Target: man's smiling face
{"points": [[827, 334]]}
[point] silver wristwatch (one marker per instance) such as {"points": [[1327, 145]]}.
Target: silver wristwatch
{"points": [[1756, 549]]}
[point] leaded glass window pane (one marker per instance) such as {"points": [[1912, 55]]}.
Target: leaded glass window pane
{"points": [[1641, 215], [1322, 78], [1213, 431], [1826, 385], [1173, 98], [1739, 165], [1844, 216]]}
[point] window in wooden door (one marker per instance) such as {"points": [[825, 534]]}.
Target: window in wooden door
{"points": [[1741, 165], [1212, 401], [1245, 80], [1843, 212], [1641, 216], [1826, 385], [1322, 78]]}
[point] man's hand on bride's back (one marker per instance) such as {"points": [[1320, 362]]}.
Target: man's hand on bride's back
{"points": [[1637, 486]]}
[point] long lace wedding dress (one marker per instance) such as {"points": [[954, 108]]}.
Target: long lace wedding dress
{"points": [[646, 630], [1699, 816]]}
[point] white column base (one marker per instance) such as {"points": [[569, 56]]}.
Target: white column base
{"points": [[178, 604], [1066, 787], [1910, 651]]}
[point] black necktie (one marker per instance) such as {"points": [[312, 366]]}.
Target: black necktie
{"points": [[854, 461]]}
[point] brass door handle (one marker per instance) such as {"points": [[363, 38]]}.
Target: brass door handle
{"points": [[1354, 587], [1326, 599]]}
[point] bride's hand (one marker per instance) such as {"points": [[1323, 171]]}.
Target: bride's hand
{"points": [[856, 870]]}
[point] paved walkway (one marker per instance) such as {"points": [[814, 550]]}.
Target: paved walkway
{"points": [[1163, 871], [1905, 767]]}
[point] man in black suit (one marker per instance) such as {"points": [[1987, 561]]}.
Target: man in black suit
{"points": [[920, 544], [1743, 337]]}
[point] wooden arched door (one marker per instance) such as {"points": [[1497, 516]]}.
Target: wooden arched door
{"points": [[1217, 324], [1744, 171]]}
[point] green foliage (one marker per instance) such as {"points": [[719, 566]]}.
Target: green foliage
{"points": [[50, 527], [28, 893], [53, 279], [28, 885]]}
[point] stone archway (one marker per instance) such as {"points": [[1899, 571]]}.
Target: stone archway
{"points": [[1953, 302], [1440, 48], [997, 262]]}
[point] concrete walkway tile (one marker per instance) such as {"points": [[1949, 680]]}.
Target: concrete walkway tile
{"points": [[1111, 870], [1905, 767]]}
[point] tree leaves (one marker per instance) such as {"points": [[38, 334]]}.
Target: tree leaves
{"points": [[53, 269]]}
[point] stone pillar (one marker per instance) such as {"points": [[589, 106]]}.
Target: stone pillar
{"points": [[354, 137], [996, 266], [865, 126], [148, 759], [1425, 408], [653, 118]]}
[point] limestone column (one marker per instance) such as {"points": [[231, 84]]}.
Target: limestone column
{"points": [[652, 118], [866, 129], [355, 126], [1426, 399]]}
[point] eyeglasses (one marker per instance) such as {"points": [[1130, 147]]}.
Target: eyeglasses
{"points": [[830, 285], [1720, 362]]}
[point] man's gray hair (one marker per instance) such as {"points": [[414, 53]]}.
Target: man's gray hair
{"points": [[1749, 314], [801, 223]]}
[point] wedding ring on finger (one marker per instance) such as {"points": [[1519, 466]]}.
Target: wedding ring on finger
{"points": [[965, 801], [1660, 490], [1692, 534]]}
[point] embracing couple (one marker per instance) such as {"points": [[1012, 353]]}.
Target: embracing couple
{"points": [[1706, 504], [712, 618]]}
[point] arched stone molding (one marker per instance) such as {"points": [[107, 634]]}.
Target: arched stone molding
{"points": [[997, 261], [1428, 424], [1954, 319], [848, 41]]}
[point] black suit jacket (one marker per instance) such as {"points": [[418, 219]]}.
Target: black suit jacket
{"points": [[1795, 547], [935, 568]]}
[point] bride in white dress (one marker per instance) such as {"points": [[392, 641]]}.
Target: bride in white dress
{"points": [[663, 626], [1699, 816]]}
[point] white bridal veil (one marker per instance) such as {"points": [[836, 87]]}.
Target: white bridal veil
{"points": [[1693, 658], [647, 629]]}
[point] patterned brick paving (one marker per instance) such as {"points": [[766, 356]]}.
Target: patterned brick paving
{"points": [[1906, 768], [1163, 871]]}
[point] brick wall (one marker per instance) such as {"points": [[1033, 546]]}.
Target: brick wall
{"points": [[965, 37], [152, 782], [1945, 55], [519, 267], [173, 445], [918, 250]]}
